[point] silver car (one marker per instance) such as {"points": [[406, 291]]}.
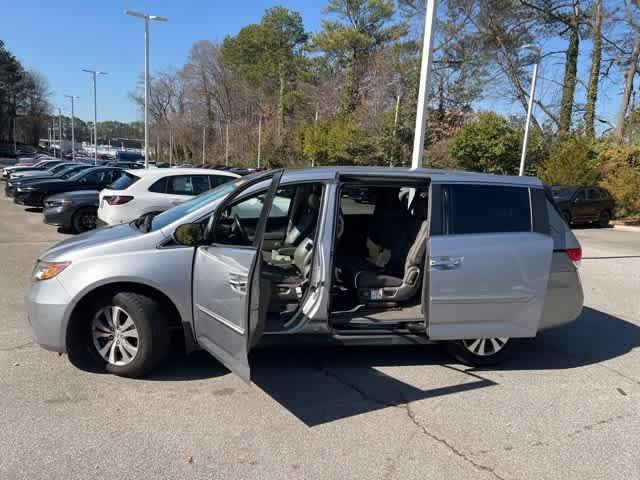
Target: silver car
{"points": [[364, 256]]}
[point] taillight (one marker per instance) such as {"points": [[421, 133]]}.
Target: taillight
{"points": [[574, 254], [117, 199]]}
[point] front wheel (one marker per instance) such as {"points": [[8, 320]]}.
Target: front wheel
{"points": [[85, 219], [126, 334], [481, 351], [603, 219]]}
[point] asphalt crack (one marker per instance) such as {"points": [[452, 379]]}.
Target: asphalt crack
{"points": [[410, 414]]}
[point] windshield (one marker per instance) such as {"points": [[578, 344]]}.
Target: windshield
{"points": [[173, 214], [78, 175], [562, 193], [71, 171]]}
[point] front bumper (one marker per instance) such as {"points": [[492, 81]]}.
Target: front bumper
{"points": [[58, 216], [46, 303], [29, 199]]}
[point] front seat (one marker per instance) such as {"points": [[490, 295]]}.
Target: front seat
{"points": [[288, 279], [304, 215], [398, 281]]}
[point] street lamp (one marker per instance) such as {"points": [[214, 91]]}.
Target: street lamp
{"points": [[95, 113], [146, 75], [423, 90], [60, 129], [73, 133], [536, 50]]}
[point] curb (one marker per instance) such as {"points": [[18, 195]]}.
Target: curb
{"points": [[627, 228]]}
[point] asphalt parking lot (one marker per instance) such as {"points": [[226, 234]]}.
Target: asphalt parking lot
{"points": [[566, 406]]}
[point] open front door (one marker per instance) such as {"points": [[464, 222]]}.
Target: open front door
{"points": [[225, 297], [488, 270]]}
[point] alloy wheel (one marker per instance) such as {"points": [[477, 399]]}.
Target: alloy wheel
{"points": [[485, 347], [115, 335]]}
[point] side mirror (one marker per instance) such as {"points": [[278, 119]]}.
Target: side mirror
{"points": [[189, 234], [577, 200]]}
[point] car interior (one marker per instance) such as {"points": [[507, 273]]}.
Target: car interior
{"points": [[380, 246]]}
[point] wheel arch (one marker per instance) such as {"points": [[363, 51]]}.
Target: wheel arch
{"points": [[176, 322]]}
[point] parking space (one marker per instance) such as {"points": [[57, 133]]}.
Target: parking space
{"points": [[566, 406]]}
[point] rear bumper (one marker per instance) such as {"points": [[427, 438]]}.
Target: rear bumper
{"points": [[46, 304]]}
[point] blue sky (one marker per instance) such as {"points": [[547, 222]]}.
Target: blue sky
{"points": [[60, 38]]}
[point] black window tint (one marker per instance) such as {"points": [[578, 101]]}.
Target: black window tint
{"points": [[113, 175], [580, 196], [200, 184], [124, 182], [180, 185], [487, 209], [216, 180], [593, 194], [159, 186], [92, 177]]}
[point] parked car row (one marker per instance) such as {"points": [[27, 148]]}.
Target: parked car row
{"points": [[70, 192]]}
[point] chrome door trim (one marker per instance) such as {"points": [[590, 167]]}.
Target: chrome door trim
{"points": [[220, 319]]}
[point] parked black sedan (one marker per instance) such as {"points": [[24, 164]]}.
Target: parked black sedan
{"points": [[95, 178], [584, 204], [77, 210], [64, 173]]}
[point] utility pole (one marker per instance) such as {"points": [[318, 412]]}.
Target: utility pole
{"points": [[49, 132], [395, 127], [226, 146], [60, 129], [146, 75], [95, 73], [73, 133], [204, 144], [423, 92], [170, 146], [15, 148], [259, 139], [523, 157]]}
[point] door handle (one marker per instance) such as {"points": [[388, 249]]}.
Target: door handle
{"points": [[445, 263], [238, 282]]}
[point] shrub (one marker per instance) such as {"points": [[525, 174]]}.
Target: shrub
{"points": [[573, 160], [621, 166]]}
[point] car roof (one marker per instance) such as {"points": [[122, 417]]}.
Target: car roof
{"points": [[169, 172], [436, 176]]}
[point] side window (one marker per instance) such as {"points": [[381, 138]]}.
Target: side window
{"points": [[159, 186], [580, 196], [115, 175], [216, 180], [180, 185], [488, 209], [237, 224], [593, 194], [282, 202], [200, 184], [93, 177]]}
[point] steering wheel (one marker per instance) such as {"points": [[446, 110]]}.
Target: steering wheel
{"points": [[239, 229]]}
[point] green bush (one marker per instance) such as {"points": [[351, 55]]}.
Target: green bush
{"points": [[573, 160], [621, 169], [489, 144]]}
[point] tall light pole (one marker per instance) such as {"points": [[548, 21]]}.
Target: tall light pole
{"points": [[95, 113], [73, 133], [60, 129], [423, 91], [259, 139], [226, 147], [15, 149], [536, 50], [204, 144], [170, 146], [146, 75]]}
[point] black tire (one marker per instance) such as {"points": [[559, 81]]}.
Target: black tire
{"points": [[566, 215], [460, 352], [603, 219], [152, 342], [84, 219]]}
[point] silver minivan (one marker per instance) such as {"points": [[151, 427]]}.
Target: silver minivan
{"points": [[344, 256]]}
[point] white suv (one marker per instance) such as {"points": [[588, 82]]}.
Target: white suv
{"points": [[139, 192]]}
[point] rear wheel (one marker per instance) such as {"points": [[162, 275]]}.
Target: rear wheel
{"points": [[127, 335], [603, 219], [481, 351], [85, 219]]}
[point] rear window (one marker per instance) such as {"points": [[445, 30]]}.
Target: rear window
{"points": [[488, 209], [125, 181]]}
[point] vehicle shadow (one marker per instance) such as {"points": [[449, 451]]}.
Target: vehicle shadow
{"points": [[33, 209], [320, 385]]}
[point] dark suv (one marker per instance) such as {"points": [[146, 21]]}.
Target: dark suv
{"points": [[584, 204]]}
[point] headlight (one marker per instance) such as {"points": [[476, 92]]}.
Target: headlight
{"points": [[47, 270], [58, 203], [26, 189]]}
